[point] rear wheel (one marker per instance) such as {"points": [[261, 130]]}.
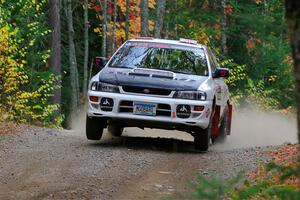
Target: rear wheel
{"points": [[115, 130], [224, 128], [94, 128]]}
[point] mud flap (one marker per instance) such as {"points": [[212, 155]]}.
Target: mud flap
{"points": [[229, 117], [215, 123]]}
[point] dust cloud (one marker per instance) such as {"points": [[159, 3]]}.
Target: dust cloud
{"points": [[250, 128], [78, 126], [254, 128], [78, 122]]}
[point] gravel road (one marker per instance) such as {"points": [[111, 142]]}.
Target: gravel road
{"points": [[40, 163]]}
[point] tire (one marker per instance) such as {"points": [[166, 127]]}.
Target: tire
{"points": [[224, 128], [202, 138], [115, 130], [94, 128]]}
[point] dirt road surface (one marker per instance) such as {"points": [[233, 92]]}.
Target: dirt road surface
{"points": [[40, 163]]}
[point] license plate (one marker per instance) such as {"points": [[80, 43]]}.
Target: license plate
{"points": [[144, 109]]}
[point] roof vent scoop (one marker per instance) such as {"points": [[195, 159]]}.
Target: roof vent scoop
{"points": [[188, 41], [144, 38]]}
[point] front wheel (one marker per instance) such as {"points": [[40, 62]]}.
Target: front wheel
{"points": [[94, 128], [202, 139]]}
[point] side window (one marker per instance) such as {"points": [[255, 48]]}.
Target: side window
{"points": [[211, 61], [215, 60]]}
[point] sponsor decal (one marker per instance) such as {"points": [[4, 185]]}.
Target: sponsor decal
{"points": [[106, 102], [183, 109]]}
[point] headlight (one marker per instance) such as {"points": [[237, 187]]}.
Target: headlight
{"points": [[193, 95], [104, 87]]}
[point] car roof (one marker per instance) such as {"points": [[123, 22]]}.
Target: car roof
{"points": [[166, 41]]}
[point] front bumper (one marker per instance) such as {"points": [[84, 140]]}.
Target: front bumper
{"points": [[196, 118]]}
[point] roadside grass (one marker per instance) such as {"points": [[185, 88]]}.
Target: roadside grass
{"points": [[3, 138], [277, 180], [7, 130]]}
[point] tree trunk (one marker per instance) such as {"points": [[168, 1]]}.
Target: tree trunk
{"points": [[104, 27], [160, 12], [224, 27], [293, 21], [144, 18], [176, 21], [55, 46], [72, 62], [86, 49], [114, 26], [127, 20]]}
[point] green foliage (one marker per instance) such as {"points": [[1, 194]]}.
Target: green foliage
{"points": [[243, 89], [237, 80], [258, 49], [258, 39], [25, 84], [257, 42], [213, 187], [271, 186]]}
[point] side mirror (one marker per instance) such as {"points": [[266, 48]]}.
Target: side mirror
{"points": [[99, 63], [221, 73]]}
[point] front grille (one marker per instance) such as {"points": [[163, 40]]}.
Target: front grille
{"points": [[144, 90], [162, 109], [126, 106]]}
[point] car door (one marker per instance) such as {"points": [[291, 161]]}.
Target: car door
{"points": [[221, 89]]}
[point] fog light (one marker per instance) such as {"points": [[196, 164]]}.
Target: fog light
{"points": [[198, 108], [94, 99]]}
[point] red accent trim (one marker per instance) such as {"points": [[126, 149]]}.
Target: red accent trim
{"points": [[215, 122], [229, 115]]}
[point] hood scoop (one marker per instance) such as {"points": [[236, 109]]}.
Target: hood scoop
{"points": [[152, 73], [138, 74]]}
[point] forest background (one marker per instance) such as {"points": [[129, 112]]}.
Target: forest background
{"points": [[47, 49]]}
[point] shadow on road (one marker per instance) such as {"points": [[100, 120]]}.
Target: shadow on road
{"points": [[148, 143]]}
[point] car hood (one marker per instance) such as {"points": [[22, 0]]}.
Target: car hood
{"points": [[151, 79]]}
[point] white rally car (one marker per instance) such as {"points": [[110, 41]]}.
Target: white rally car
{"points": [[165, 84]]}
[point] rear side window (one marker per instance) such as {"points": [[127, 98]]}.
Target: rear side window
{"points": [[213, 61]]}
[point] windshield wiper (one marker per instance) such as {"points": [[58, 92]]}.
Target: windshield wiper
{"points": [[120, 66]]}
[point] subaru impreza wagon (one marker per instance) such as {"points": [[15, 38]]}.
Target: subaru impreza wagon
{"points": [[162, 84]]}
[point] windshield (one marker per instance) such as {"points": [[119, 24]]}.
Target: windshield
{"points": [[175, 58]]}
